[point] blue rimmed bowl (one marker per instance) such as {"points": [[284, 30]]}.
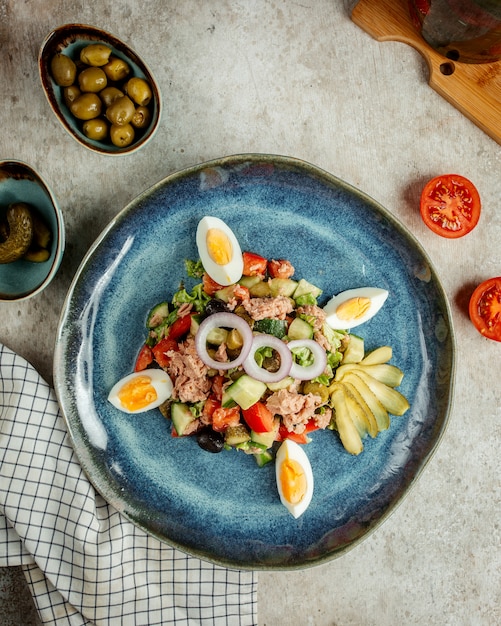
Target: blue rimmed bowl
{"points": [[24, 279], [70, 39], [222, 507]]}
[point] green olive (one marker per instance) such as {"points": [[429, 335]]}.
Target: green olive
{"points": [[92, 79], [109, 94], [86, 107], [121, 111], [63, 70], [95, 54], [139, 90], [20, 225], [141, 117], [116, 69], [122, 136], [96, 128], [70, 94]]}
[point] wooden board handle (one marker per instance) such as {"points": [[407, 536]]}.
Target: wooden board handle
{"points": [[474, 89]]}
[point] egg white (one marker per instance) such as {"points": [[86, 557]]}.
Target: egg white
{"points": [[291, 450], [230, 272], [376, 296], [160, 381]]}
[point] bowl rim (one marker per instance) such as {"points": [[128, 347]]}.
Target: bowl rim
{"points": [[60, 238], [55, 37]]}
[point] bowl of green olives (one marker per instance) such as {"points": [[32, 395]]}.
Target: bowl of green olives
{"points": [[32, 234], [101, 91]]}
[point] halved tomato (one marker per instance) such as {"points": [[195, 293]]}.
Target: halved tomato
{"points": [[450, 205], [485, 308]]}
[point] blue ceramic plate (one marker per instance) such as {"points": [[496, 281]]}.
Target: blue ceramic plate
{"points": [[222, 507]]}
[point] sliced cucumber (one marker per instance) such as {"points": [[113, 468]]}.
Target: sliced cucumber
{"points": [[249, 281], [181, 417], [245, 391], [260, 289], [266, 439], [304, 287], [271, 326], [157, 315], [262, 458], [300, 329], [282, 286]]}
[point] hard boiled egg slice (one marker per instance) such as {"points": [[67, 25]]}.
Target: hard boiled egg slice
{"points": [[294, 477], [141, 391], [219, 251], [354, 307]]}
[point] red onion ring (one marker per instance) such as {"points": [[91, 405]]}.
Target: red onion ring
{"points": [[223, 320], [319, 360], [259, 373]]}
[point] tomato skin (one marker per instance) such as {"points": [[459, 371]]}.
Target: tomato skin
{"points": [[450, 205], [254, 264], [159, 351], [144, 358], [224, 418], [217, 386], [303, 438], [211, 404], [259, 418], [485, 308], [210, 286], [280, 268], [180, 327]]}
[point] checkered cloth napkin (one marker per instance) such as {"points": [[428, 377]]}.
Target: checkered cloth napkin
{"points": [[85, 563]]}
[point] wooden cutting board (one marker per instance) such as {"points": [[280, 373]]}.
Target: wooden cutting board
{"points": [[474, 89]]}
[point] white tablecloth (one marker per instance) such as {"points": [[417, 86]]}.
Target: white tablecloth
{"points": [[84, 562]]}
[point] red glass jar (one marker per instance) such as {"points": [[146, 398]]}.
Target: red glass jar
{"points": [[468, 31]]}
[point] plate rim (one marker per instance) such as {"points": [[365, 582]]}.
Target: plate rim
{"points": [[318, 172]]}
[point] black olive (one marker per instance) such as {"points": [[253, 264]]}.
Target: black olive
{"points": [[210, 440], [215, 306]]}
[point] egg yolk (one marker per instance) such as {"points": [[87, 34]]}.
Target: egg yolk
{"points": [[293, 481], [219, 246], [137, 393], [353, 309]]}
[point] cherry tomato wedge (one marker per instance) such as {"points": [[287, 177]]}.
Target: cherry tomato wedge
{"points": [[179, 327], [224, 418], [259, 418], [280, 268], [450, 205], [160, 350], [254, 264], [485, 308], [210, 286], [144, 358]]}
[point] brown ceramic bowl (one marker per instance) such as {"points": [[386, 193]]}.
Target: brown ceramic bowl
{"points": [[69, 40]]}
